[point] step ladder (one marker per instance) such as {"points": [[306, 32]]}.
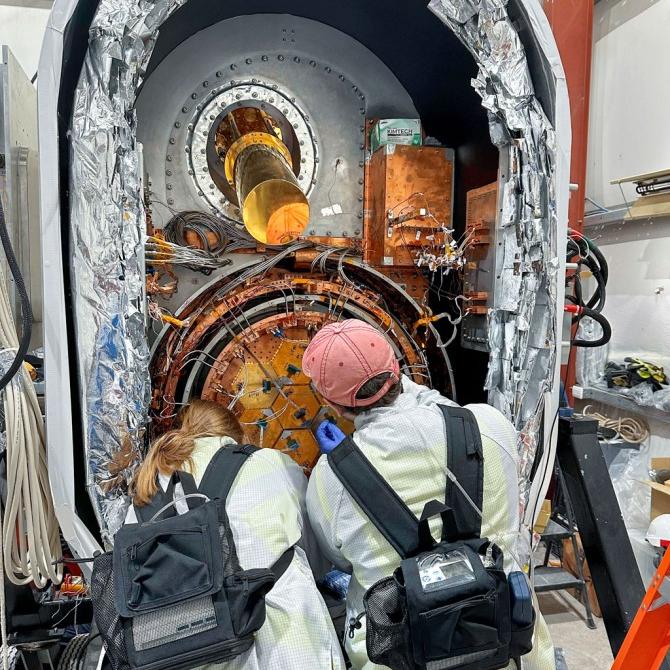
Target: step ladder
{"points": [[648, 640], [563, 527]]}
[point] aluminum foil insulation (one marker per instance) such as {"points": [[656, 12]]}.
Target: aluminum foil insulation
{"points": [[107, 226], [522, 331]]}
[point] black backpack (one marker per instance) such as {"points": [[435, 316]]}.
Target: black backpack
{"points": [[172, 594], [449, 605]]}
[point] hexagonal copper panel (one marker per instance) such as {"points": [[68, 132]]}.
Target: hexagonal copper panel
{"points": [[269, 392]]}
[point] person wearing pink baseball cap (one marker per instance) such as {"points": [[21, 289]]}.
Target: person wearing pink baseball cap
{"points": [[352, 365], [400, 430]]}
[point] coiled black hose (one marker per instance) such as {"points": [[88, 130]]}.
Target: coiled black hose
{"points": [[26, 309], [589, 255], [604, 324]]}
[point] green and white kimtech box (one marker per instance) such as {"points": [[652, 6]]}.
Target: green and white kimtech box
{"points": [[395, 131]]}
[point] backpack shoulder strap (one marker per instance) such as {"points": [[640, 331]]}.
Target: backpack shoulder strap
{"points": [[465, 460], [223, 469], [163, 498], [375, 497]]}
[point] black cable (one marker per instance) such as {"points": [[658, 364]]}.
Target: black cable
{"points": [[597, 300], [595, 250], [604, 324], [26, 309]]}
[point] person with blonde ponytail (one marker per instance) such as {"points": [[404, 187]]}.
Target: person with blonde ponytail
{"points": [[266, 511]]}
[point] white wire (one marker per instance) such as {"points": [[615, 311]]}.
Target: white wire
{"points": [[626, 427], [31, 548]]}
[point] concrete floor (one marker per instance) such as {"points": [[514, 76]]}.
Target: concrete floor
{"points": [[582, 647]]}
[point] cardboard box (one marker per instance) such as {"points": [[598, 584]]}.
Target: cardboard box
{"points": [[660, 493], [395, 131], [543, 517]]}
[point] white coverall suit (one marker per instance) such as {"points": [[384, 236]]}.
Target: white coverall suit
{"points": [[265, 507], [406, 443]]}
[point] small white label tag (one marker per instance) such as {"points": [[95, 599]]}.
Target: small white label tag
{"points": [[332, 210]]}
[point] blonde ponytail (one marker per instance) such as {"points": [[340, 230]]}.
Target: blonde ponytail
{"points": [[173, 450]]}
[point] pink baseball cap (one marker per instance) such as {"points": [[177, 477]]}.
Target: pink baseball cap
{"points": [[343, 356]]}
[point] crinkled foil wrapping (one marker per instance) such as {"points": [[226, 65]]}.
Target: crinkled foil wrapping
{"points": [[522, 337], [107, 227], [107, 223]]}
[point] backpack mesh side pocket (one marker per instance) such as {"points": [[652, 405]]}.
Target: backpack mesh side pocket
{"points": [[387, 629], [104, 610]]}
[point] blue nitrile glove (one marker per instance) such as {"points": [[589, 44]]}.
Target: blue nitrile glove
{"points": [[328, 435]]}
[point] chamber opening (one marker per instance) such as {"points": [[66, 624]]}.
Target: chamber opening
{"points": [[239, 119]]}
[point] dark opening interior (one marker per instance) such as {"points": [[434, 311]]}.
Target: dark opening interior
{"points": [[432, 65]]}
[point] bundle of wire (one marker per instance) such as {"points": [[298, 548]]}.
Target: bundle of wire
{"points": [[161, 252], [31, 547], [212, 234], [584, 252], [626, 427], [30, 536]]}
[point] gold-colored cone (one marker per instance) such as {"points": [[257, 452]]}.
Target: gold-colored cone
{"points": [[274, 208], [276, 212]]}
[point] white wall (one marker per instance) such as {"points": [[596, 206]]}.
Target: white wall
{"points": [[630, 95], [638, 290], [629, 133], [22, 30]]}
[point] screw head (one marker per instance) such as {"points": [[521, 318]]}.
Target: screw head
{"points": [[357, 231], [233, 66], [219, 73], [205, 84], [170, 201], [168, 158], [264, 59], [177, 124], [280, 57], [172, 140], [248, 61], [184, 110], [168, 187], [168, 173], [194, 96]]}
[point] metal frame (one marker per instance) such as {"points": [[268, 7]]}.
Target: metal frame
{"points": [[59, 382], [19, 183]]}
